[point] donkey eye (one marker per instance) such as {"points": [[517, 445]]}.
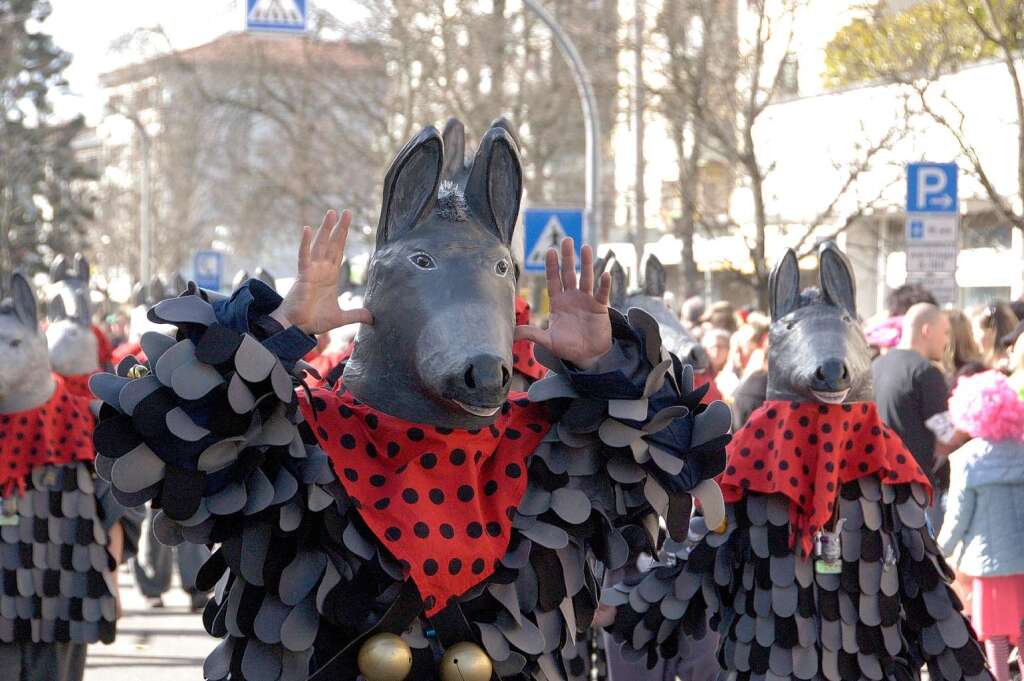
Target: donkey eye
{"points": [[501, 267], [422, 261]]}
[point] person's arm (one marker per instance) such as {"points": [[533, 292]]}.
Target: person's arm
{"points": [[959, 508], [931, 387]]}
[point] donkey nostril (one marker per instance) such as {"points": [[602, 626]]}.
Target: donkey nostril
{"points": [[506, 375], [468, 377], [819, 374], [846, 372]]}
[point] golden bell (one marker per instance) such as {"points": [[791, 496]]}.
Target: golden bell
{"points": [[384, 657], [138, 371], [466, 662]]}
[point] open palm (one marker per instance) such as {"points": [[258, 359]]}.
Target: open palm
{"points": [[312, 302], [579, 330]]}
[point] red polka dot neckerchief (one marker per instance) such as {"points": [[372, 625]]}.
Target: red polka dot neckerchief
{"points": [[78, 384], [440, 500], [523, 359], [55, 433], [806, 451]]}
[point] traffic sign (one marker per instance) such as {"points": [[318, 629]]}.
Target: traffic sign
{"points": [[942, 285], [931, 258], [931, 228], [932, 188], [279, 16], [545, 228], [209, 269]]}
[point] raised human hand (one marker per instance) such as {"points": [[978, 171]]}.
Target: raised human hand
{"points": [[579, 330], [312, 302]]}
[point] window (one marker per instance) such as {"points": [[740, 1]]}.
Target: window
{"points": [[789, 76]]}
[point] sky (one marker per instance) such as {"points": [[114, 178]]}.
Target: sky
{"points": [[88, 29]]}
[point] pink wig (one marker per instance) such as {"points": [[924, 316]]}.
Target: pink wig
{"points": [[984, 405]]}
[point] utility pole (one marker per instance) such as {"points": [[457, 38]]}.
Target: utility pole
{"points": [[591, 122], [640, 226]]}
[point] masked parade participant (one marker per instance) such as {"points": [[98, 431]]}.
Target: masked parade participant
{"points": [[824, 567], [416, 521]]}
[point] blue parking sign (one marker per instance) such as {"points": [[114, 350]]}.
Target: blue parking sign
{"points": [[209, 269], [932, 188]]}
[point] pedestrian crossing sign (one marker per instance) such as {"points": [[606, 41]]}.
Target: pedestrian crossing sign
{"points": [[545, 228], [287, 16]]}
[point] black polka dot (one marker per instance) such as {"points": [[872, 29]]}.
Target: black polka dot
{"points": [[494, 431], [494, 529], [822, 409], [428, 460], [745, 452], [768, 476], [812, 439], [513, 470], [828, 447], [430, 567], [344, 411], [429, 602], [465, 493], [371, 421], [321, 432], [744, 483], [447, 531], [759, 433], [788, 435], [454, 566], [512, 433], [393, 449], [474, 530], [783, 465], [830, 486], [393, 533], [478, 566], [535, 427], [804, 421], [772, 413], [829, 466], [794, 482], [351, 474], [490, 487], [759, 464], [869, 449], [436, 496], [730, 470], [901, 459], [421, 530], [414, 434], [847, 408], [348, 441], [862, 467], [371, 450], [826, 428], [444, 431], [876, 431], [377, 480], [410, 496], [318, 404], [457, 457]]}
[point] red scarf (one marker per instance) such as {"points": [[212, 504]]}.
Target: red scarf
{"points": [[78, 384], [523, 359], [806, 451], [103, 347], [55, 433], [440, 500]]}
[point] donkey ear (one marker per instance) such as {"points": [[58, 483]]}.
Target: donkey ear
{"points": [[266, 277], [55, 310], [835, 277], [25, 306], [617, 298], [784, 286], [654, 277], [240, 277], [454, 137], [59, 269], [506, 125], [139, 294], [81, 268], [410, 187], [495, 184]]}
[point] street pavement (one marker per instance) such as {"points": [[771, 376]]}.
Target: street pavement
{"points": [[167, 644]]}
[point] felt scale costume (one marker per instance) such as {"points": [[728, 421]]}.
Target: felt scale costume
{"points": [[825, 568], [349, 536]]}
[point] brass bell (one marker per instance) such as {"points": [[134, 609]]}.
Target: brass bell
{"points": [[384, 657], [138, 371], [466, 662]]}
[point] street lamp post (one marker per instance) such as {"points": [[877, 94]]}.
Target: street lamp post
{"points": [[145, 227], [591, 122]]}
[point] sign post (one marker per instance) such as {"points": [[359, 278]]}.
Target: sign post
{"points": [[545, 228], [276, 16], [933, 228], [209, 269]]}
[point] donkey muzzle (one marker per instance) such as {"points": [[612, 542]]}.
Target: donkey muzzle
{"points": [[831, 381]]}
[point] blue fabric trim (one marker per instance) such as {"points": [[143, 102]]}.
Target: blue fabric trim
{"points": [[248, 310]]}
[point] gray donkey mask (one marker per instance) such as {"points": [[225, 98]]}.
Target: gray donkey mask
{"points": [[73, 347], [650, 298], [817, 351], [25, 379], [441, 285]]}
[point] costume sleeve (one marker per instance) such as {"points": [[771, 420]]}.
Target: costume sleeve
{"points": [[632, 442], [959, 507], [214, 438], [931, 617], [111, 512]]}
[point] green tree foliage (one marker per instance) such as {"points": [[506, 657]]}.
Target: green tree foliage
{"points": [[926, 40], [42, 207]]}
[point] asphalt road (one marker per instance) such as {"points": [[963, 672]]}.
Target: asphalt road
{"points": [[167, 644]]}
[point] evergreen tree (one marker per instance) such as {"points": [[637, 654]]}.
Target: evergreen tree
{"points": [[43, 207]]}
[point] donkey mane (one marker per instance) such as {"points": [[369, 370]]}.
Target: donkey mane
{"points": [[451, 202]]}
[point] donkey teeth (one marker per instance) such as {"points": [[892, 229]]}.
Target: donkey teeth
{"points": [[478, 411], [831, 398]]}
